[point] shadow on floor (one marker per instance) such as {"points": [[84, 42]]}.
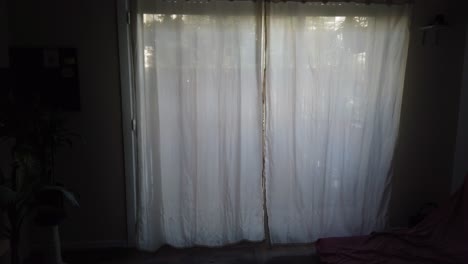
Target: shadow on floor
{"points": [[249, 254]]}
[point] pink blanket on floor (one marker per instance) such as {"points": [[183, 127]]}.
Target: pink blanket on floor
{"points": [[441, 238]]}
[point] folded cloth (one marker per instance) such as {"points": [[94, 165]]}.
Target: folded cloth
{"points": [[441, 238]]}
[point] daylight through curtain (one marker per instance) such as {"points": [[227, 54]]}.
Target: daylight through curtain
{"points": [[332, 86], [200, 118]]}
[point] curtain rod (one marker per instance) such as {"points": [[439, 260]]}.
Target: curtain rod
{"points": [[367, 2], [388, 2]]}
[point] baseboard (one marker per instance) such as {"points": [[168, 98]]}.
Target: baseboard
{"points": [[95, 244], [88, 245]]}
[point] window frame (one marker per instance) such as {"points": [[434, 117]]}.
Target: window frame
{"points": [[129, 121]]}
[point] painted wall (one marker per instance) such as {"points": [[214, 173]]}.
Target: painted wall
{"points": [[460, 164], [3, 34], [4, 146], [424, 155], [93, 169], [423, 158]]}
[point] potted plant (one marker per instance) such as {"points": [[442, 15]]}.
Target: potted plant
{"points": [[34, 133]]}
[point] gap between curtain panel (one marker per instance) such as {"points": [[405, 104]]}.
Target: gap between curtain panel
{"points": [[264, 46]]}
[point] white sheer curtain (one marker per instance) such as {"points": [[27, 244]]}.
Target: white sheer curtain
{"points": [[334, 85], [334, 80], [200, 133]]}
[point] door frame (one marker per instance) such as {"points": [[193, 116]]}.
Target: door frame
{"points": [[129, 124]]}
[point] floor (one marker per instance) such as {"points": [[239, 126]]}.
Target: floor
{"points": [[239, 254]]}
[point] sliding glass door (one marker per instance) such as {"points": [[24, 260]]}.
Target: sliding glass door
{"points": [[303, 97], [334, 81], [201, 125]]}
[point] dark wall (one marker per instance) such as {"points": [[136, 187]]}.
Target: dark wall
{"points": [[460, 164], [93, 169], [424, 155], [3, 34]]}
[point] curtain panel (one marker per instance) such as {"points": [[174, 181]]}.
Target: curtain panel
{"points": [[200, 125], [333, 95], [231, 95]]}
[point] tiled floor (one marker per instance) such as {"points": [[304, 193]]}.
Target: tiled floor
{"points": [[239, 254]]}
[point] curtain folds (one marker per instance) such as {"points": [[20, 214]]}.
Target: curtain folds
{"points": [[201, 122], [333, 85]]}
